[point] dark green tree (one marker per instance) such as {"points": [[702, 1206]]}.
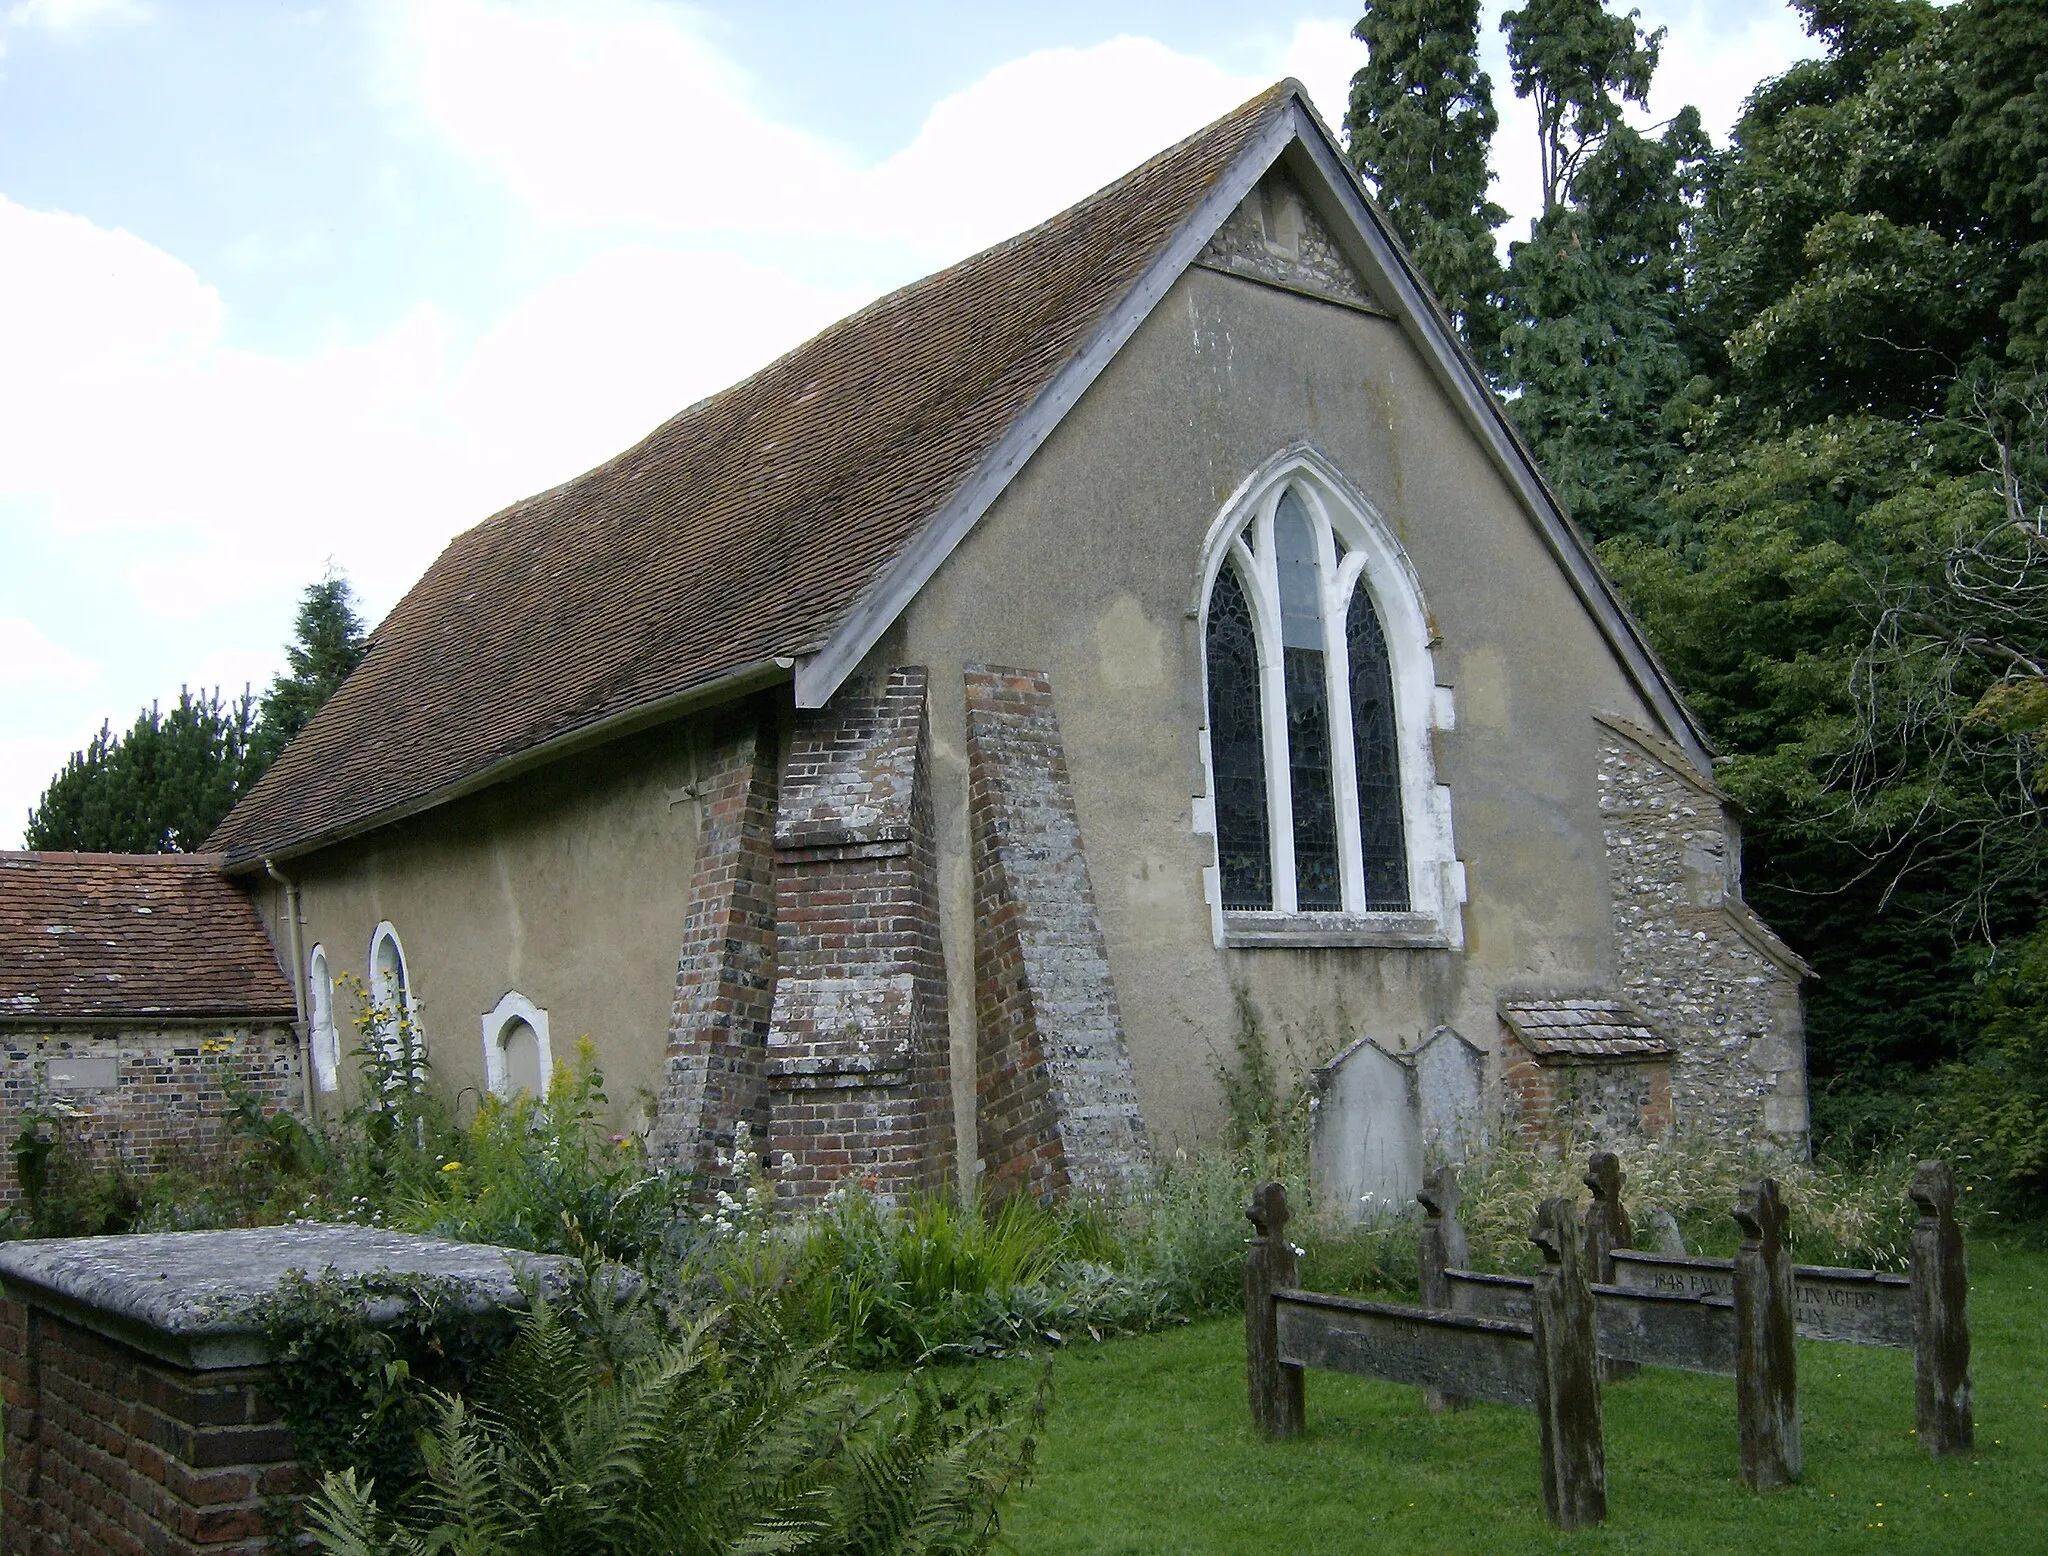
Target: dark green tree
{"points": [[1580, 64], [1842, 576], [1419, 127], [160, 787], [328, 642], [1593, 348]]}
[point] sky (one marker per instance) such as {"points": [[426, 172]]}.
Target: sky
{"points": [[288, 285]]}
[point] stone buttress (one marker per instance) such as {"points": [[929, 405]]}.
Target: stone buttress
{"points": [[1058, 1104], [725, 978], [857, 1068]]}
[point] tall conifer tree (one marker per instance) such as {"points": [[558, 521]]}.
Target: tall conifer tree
{"points": [[1419, 127]]}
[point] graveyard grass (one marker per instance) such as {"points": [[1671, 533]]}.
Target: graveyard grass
{"points": [[1150, 1452]]}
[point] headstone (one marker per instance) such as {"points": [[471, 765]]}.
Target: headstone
{"points": [[1941, 1322], [1568, 1374], [1450, 1092], [1366, 1150], [1275, 1387], [1766, 1365], [1443, 1248], [1665, 1234]]}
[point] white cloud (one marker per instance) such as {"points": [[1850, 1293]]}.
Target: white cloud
{"points": [[29, 660], [62, 16]]}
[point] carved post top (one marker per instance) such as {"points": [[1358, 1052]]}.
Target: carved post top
{"points": [[1268, 1211], [1603, 1177], [1761, 1212], [1933, 1189], [1439, 1194], [1556, 1231]]}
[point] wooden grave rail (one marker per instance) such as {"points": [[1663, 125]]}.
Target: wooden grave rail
{"points": [[1546, 1361], [1723, 1316]]}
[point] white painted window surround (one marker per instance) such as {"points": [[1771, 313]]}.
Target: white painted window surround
{"points": [[326, 1041], [517, 1056], [390, 986], [1359, 551]]}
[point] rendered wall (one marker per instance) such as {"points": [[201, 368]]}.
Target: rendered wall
{"points": [[1087, 569], [571, 885]]}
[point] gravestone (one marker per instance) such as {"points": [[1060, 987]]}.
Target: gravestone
{"points": [[1450, 1093], [1443, 1249], [1568, 1361], [1766, 1364], [1942, 1409], [135, 1373], [1366, 1147]]}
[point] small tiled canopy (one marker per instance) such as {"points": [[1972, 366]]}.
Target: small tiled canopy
{"points": [[1567, 1031]]}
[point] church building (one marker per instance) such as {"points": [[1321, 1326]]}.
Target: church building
{"points": [[938, 750]]}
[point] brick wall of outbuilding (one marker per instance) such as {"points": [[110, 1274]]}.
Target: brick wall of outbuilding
{"points": [[171, 1098]]}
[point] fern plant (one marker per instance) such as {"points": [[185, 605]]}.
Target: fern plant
{"points": [[609, 1430]]}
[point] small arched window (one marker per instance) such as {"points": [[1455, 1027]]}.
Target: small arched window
{"points": [[516, 1053], [326, 1040], [1320, 698]]}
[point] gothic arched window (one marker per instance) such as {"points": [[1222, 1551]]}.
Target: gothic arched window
{"points": [[1319, 710]]}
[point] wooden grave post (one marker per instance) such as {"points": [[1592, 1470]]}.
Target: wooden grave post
{"points": [[1568, 1374], [1443, 1248], [1606, 1227], [1941, 1323], [1277, 1408], [1766, 1365]]}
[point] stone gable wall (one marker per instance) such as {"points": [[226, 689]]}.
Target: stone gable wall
{"points": [[142, 1098], [1689, 951]]}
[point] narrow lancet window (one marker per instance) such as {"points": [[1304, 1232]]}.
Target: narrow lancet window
{"points": [[1318, 884], [1374, 739], [1237, 749]]}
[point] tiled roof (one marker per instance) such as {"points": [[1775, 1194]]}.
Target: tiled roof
{"points": [[744, 530], [1566, 1029], [95, 936]]}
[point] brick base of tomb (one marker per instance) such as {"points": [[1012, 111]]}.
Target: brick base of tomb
{"points": [[110, 1449]]}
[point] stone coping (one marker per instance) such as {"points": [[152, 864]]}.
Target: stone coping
{"points": [[188, 1297]]}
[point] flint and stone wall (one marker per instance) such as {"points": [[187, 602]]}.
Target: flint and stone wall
{"points": [[141, 1098], [1704, 970]]}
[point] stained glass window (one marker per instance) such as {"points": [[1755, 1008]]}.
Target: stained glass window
{"points": [[1318, 886], [1314, 680], [1374, 743], [1237, 750]]}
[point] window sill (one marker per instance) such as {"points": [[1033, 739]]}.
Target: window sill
{"points": [[1387, 931]]}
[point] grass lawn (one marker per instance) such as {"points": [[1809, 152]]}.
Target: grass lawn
{"points": [[1149, 1451]]}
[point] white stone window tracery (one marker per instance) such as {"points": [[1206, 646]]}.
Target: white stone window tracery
{"points": [[517, 1056], [1320, 697], [325, 1039]]}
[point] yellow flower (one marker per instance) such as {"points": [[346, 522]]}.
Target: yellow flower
{"points": [[452, 1167]]}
